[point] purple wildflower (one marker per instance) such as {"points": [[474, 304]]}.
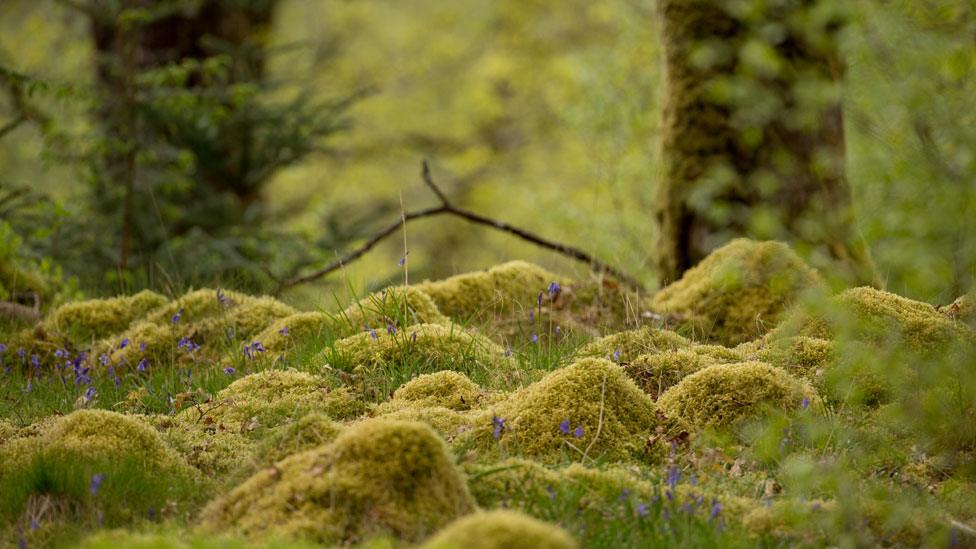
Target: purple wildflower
{"points": [[531, 315], [143, 364], [61, 353], [21, 352], [104, 359], [578, 433], [258, 347], [3, 347], [534, 338], [90, 393], [564, 426], [229, 370], [716, 509], [642, 510], [539, 300], [554, 289], [283, 331], [805, 403], [390, 328], [142, 346], [223, 299], [403, 261], [674, 475], [499, 426], [616, 355], [624, 494], [176, 318], [124, 343], [96, 483], [35, 362]]}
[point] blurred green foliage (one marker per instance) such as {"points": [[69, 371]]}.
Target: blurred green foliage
{"points": [[541, 113]]}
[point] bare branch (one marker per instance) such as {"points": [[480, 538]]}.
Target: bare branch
{"points": [[447, 208]]}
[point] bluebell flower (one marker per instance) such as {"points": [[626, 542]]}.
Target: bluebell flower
{"points": [[96, 483], [642, 510], [35, 362], [539, 300], [531, 316], [124, 343], [143, 364], [716, 509], [142, 346], [674, 475], [578, 433], [61, 353], [805, 403], [390, 328], [283, 331], [229, 370], [258, 347], [616, 355], [3, 348], [554, 289], [104, 359], [90, 393], [403, 261], [564, 426], [499, 426], [534, 338], [176, 318]]}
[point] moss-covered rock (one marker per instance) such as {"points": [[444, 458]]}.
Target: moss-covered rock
{"points": [[874, 316], [589, 407], [739, 291], [309, 431], [500, 530], [627, 345], [84, 322], [655, 373], [273, 397], [502, 288], [447, 389], [724, 394], [378, 476], [383, 360], [95, 457]]}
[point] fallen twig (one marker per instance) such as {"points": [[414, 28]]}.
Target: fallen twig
{"points": [[446, 207]]}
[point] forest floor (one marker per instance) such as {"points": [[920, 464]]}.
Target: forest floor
{"points": [[747, 404]]}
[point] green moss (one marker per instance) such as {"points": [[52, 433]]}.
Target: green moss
{"points": [[878, 317], [215, 451], [630, 344], [655, 373], [724, 394], [500, 530], [273, 397], [962, 309], [86, 321], [7, 430], [178, 539], [309, 431], [615, 416], [447, 389], [286, 333], [397, 307], [501, 289], [739, 291], [139, 469], [448, 423], [804, 357], [382, 361], [378, 476]]}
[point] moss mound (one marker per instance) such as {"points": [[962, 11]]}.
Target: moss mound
{"points": [[588, 407], [448, 423], [500, 530], [94, 457], [7, 430], [738, 291], [286, 333], [724, 394], [655, 373], [628, 345], [875, 316], [378, 476], [801, 356], [310, 431], [87, 321], [273, 397], [397, 306], [447, 389], [513, 285], [384, 360]]}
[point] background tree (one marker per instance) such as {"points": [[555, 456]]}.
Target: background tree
{"points": [[753, 134]]}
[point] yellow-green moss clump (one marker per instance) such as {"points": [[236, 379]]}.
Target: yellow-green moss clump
{"points": [[377, 477], [500, 530], [655, 373], [310, 431], [738, 292], [501, 289], [448, 423], [424, 348], [286, 333], [273, 397], [875, 316], [724, 394], [447, 389], [134, 468], [86, 321], [398, 307], [628, 345], [590, 406], [7, 430], [804, 357]]}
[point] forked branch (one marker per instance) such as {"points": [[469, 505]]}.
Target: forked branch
{"points": [[446, 207]]}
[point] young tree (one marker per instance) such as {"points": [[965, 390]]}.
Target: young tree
{"points": [[753, 134]]}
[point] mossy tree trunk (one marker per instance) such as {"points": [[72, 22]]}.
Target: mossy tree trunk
{"points": [[752, 133]]}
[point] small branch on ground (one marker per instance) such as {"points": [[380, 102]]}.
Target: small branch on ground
{"points": [[446, 207]]}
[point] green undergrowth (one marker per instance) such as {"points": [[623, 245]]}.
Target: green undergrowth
{"points": [[741, 406]]}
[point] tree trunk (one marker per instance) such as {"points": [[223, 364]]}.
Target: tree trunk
{"points": [[753, 135]]}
